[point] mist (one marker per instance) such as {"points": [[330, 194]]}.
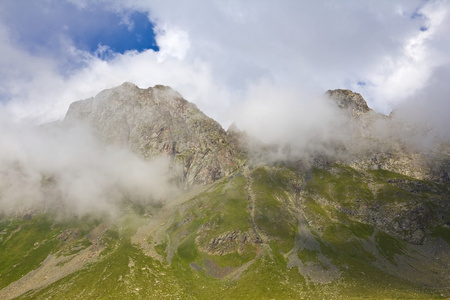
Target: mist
{"points": [[430, 108], [63, 168], [287, 123], [304, 124]]}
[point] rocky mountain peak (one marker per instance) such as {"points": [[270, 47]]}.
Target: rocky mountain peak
{"points": [[158, 121], [349, 100], [305, 227]]}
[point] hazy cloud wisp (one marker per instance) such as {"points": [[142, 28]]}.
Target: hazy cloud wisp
{"points": [[65, 169]]}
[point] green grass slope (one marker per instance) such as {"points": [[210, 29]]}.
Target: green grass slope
{"points": [[271, 232]]}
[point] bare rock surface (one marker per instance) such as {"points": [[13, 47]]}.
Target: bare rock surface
{"points": [[349, 100], [158, 121], [384, 142]]}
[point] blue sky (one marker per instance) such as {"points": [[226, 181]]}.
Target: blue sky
{"points": [[109, 29], [223, 55], [39, 28]]}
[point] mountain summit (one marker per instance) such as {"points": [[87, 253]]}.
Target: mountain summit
{"points": [[368, 217], [349, 100], [158, 121]]}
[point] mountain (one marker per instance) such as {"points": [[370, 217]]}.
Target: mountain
{"points": [[158, 121], [368, 219]]}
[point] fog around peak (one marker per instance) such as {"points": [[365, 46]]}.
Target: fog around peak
{"points": [[65, 169], [262, 65], [389, 51]]}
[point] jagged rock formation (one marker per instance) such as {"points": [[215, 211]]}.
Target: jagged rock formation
{"points": [[349, 100], [382, 142], [157, 121], [365, 226]]}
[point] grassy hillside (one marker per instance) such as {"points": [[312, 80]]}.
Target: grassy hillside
{"points": [[263, 233]]}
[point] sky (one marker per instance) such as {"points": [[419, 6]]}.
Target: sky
{"points": [[225, 56]]}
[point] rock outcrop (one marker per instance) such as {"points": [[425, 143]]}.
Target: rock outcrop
{"points": [[384, 142], [352, 101], [333, 224], [158, 121]]}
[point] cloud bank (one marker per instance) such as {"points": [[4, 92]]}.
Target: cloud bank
{"points": [[262, 64], [214, 53], [63, 168]]}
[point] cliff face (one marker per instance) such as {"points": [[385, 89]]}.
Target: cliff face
{"points": [[380, 142], [349, 100], [157, 121], [371, 223]]}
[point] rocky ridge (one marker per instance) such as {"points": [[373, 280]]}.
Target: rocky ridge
{"points": [[375, 224], [158, 121], [383, 142], [349, 100]]}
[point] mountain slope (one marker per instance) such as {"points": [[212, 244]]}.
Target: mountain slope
{"points": [[385, 142], [270, 232], [158, 121], [329, 228]]}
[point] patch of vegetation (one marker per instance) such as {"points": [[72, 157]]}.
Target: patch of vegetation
{"points": [[126, 273], [362, 280], [224, 207], [389, 246], [235, 259], [110, 239], [393, 194], [26, 243], [344, 185], [384, 175], [268, 278], [187, 251], [220, 209], [342, 239], [315, 208], [76, 247], [401, 188], [361, 230], [271, 213], [336, 233], [306, 255], [442, 232], [161, 248], [318, 215]]}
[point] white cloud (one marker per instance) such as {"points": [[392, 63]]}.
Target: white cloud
{"points": [[401, 76], [48, 167], [261, 63], [214, 53], [173, 42], [283, 116]]}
